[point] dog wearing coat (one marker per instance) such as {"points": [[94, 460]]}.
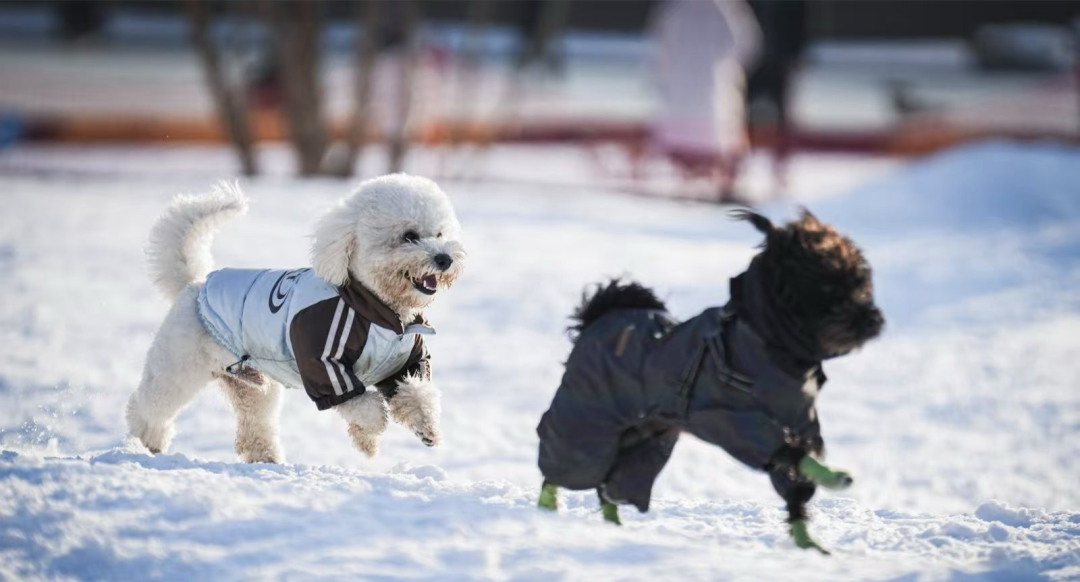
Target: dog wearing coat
{"points": [[348, 330], [743, 377]]}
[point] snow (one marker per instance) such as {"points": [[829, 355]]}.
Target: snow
{"points": [[992, 186], [123, 515], [960, 424]]}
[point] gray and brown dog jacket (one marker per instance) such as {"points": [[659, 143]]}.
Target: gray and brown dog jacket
{"points": [[303, 332]]}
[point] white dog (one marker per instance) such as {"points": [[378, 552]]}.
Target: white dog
{"points": [[350, 323]]}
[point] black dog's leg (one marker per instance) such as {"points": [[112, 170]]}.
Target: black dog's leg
{"points": [[796, 491], [797, 497], [609, 510], [549, 496]]}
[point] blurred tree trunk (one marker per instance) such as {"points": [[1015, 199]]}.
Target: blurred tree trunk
{"points": [[369, 19], [543, 23], [230, 104], [296, 27], [407, 63], [468, 86]]}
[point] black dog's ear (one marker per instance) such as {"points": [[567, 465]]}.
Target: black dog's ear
{"points": [[764, 225]]}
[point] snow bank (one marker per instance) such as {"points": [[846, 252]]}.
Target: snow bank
{"points": [[994, 186]]}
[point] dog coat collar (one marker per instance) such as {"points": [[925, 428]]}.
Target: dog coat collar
{"points": [[374, 310], [753, 299]]}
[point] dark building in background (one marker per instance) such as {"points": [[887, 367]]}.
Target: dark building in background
{"points": [[825, 18]]}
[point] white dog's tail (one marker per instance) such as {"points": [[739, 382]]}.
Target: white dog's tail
{"points": [[179, 248]]}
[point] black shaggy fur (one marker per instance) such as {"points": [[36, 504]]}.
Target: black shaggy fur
{"points": [[821, 283], [820, 278], [811, 296], [613, 295]]}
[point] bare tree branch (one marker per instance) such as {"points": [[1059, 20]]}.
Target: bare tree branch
{"points": [[370, 20], [230, 105], [297, 26], [399, 137]]}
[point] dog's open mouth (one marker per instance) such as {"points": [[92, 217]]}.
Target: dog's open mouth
{"points": [[427, 284]]}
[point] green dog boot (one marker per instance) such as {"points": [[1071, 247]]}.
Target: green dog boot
{"points": [[817, 472], [549, 497], [610, 511], [801, 535]]}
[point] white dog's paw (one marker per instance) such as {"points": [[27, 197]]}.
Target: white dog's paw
{"points": [[155, 436], [367, 417], [257, 443], [365, 440], [260, 452], [430, 436], [417, 405]]}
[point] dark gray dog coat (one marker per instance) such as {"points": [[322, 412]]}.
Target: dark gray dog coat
{"points": [[637, 378]]}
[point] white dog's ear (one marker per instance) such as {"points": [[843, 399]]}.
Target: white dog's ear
{"points": [[333, 244]]}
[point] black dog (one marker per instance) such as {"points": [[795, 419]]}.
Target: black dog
{"points": [[743, 377]]}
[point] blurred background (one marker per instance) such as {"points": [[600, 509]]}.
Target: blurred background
{"points": [[668, 98]]}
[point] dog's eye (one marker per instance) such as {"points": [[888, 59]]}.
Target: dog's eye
{"points": [[410, 236], [438, 235]]}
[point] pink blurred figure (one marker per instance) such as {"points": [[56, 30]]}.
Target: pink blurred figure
{"points": [[703, 48]]}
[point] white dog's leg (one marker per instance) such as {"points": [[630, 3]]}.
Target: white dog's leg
{"points": [[180, 362], [417, 405], [367, 418], [256, 403], [154, 433]]}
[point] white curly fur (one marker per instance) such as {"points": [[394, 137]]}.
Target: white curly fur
{"points": [[256, 408], [360, 238], [179, 248], [418, 406], [367, 417]]}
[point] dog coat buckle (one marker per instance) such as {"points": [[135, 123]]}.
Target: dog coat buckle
{"points": [[236, 368]]}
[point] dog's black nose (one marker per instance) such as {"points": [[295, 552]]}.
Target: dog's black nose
{"points": [[443, 261]]}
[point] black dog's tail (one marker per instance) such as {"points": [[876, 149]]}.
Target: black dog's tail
{"points": [[612, 296]]}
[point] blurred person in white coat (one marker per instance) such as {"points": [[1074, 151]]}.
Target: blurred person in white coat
{"points": [[702, 50]]}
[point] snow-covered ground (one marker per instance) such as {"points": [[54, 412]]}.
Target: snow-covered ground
{"points": [[961, 424]]}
